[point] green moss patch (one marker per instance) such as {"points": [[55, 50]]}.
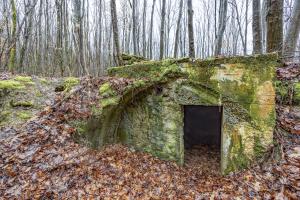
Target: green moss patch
{"points": [[11, 85], [287, 92], [148, 69], [21, 97], [21, 103], [67, 84], [70, 82], [106, 90], [130, 59], [24, 115], [296, 98], [23, 78], [44, 81]]}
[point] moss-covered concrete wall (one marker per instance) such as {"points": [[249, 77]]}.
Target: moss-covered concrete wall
{"points": [[148, 125], [148, 113]]}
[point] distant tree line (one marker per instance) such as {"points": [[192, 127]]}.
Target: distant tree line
{"points": [[81, 37]]}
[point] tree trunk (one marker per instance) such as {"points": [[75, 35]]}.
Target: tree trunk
{"points": [[246, 27], [240, 26], [40, 32], [12, 54], [221, 26], [178, 29], [264, 25], [134, 38], [144, 27], [162, 30], [114, 21], [274, 25], [191, 29], [58, 45], [256, 27], [77, 18], [292, 35], [27, 33], [151, 31]]}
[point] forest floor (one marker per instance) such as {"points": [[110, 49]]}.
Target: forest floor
{"points": [[41, 160]]}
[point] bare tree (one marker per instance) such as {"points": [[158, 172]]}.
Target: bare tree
{"points": [[221, 26], [78, 29], [144, 27], [27, 32], [134, 36], [256, 27], [114, 22], [239, 23], [176, 41], [274, 25], [246, 27], [264, 25], [162, 30], [292, 35], [12, 55], [59, 35], [191, 29], [151, 31]]}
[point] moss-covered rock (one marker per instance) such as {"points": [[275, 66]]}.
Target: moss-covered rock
{"points": [[24, 79], [21, 103], [67, 84], [145, 70], [21, 97], [296, 98], [131, 59], [106, 90], [24, 115], [10, 85]]}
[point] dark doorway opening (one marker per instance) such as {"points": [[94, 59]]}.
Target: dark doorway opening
{"points": [[202, 137]]}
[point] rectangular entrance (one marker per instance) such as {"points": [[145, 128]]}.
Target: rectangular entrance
{"points": [[202, 137]]}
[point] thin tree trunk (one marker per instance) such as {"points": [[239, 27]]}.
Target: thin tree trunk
{"points": [[12, 54], [239, 26], [264, 25], [246, 27], [151, 31], [191, 29], [215, 18], [77, 18], [47, 36], [100, 39], [162, 30], [144, 27], [221, 26], [114, 21], [256, 27], [178, 29], [58, 46], [39, 31], [27, 34], [134, 37]]}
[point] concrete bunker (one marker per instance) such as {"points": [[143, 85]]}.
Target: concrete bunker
{"points": [[148, 114]]}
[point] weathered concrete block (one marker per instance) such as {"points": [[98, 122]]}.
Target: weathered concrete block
{"points": [[148, 115]]}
